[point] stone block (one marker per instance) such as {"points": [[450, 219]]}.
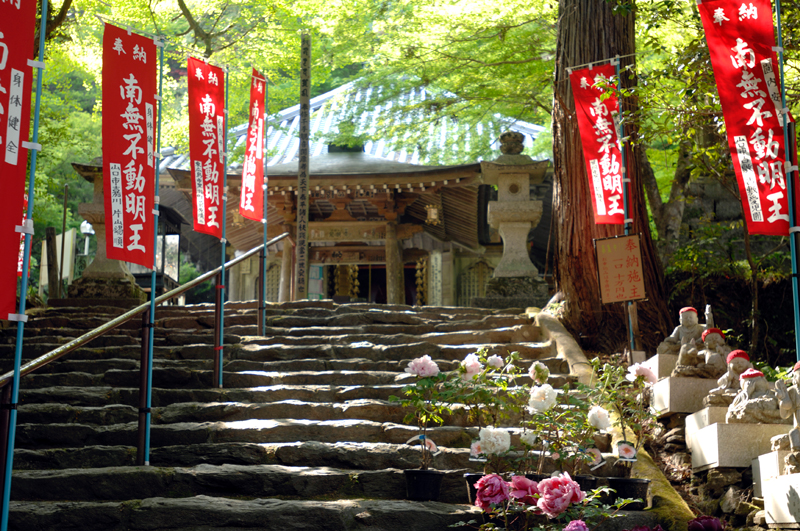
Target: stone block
{"points": [[765, 467], [732, 445], [662, 364], [680, 395], [699, 420], [782, 501]]}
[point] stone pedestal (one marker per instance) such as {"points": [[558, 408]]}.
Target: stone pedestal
{"points": [[680, 395], [782, 501], [662, 364], [705, 417], [732, 445], [104, 278], [514, 214], [765, 467]]}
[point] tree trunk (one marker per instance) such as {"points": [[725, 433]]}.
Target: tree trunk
{"points": [[589, 31]]}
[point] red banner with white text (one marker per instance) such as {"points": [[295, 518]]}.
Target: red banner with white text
{"points": [[207, 144], [251, 204], [17, 26], [740, 38], [596, 105], [129, 150]]}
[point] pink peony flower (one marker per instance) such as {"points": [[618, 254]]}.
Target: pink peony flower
{"points": [[423, 367], [557, 493], [475, 449], [577, 525], [492, 490], [637, 369], [472, 367], [495, 361], [539, 372], [706, 523], [626, 450], [523, 490]]}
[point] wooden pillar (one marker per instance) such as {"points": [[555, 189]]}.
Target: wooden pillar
{"points": [[395, 286], [285, 289]]}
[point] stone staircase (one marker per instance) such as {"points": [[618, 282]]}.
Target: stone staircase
{"points": [[302, 436]]}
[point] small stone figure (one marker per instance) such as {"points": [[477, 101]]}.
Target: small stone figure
{"points": [[689, 327], [789, 403], [756, 402], [728, 384], [709, 362]]}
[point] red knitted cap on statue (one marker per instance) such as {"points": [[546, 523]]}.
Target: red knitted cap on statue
{"points": [[751, 373], [713, 331], [688, 309], [737, 354], [796, 366]]}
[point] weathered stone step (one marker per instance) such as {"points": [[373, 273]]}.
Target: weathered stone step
{"points": [[362, 456], [72, 435], [100, 396], [132, 483], [67, 364], [186, 378], [225, 514]]}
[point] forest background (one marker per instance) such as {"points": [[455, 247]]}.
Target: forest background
{"points": [[476, 59]]}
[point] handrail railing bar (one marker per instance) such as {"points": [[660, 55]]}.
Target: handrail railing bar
{"points": [[125, 317]]}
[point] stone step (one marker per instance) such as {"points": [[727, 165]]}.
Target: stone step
{"points": [[55, 435], [352, 455], [226, 514], [134, 483]]}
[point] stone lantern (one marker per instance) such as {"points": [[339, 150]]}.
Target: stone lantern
{"points": [[514, 215]]}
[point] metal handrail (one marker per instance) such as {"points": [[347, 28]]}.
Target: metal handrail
{"points": [[65, 349]]}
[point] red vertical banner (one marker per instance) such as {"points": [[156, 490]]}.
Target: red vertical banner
{"points": [[129, 125], [17, 26], [740, 38], [251, 204], [596, 105], [206, 144]]}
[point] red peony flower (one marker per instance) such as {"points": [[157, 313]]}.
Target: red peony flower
{"points": [[492, 490], [523, 489], [557, 493]]}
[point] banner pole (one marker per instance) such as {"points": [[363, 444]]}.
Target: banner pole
{"points": [[12, 422], [223, 241], [151, 324], [263, 303], [627, 222], [791, 170]]}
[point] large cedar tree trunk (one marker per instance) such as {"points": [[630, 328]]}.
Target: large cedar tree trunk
{"points": [[588, 32]]}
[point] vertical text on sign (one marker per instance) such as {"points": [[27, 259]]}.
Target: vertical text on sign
{"points": [[597, 183], [198, 181], [15, 99], [749, 177], [118, 226]]}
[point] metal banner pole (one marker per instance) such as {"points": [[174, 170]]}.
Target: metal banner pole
{"points": [[223, 241], [27, 228], [151, 324], [791, 171], [263, 308], [628, 222]]}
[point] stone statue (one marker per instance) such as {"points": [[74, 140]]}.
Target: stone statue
{"points": [[756, 403], [707, 362], [789, 404], [728, 385], [689, 327]]}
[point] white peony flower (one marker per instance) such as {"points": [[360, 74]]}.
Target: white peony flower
{"points": [[543, 397], [423, 367], [472, 367], [528, 437], [539, 372], [494, 440], [599, 418], [495, 361]]}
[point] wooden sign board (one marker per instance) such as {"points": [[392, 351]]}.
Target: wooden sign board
{"points": [[619, 266]]}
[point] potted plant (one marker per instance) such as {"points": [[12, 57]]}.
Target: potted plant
{"points": [[426, 398], [626, 393]]}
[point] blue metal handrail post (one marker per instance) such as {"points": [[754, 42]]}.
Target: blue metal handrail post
{"points": [[627, 221], [220, 349], [151, 324], [791, 169], [12, 417], [262, 324]]}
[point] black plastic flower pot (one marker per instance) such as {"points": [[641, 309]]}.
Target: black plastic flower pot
{"points": [[586, 482], [423, 485], [630, 488]]}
